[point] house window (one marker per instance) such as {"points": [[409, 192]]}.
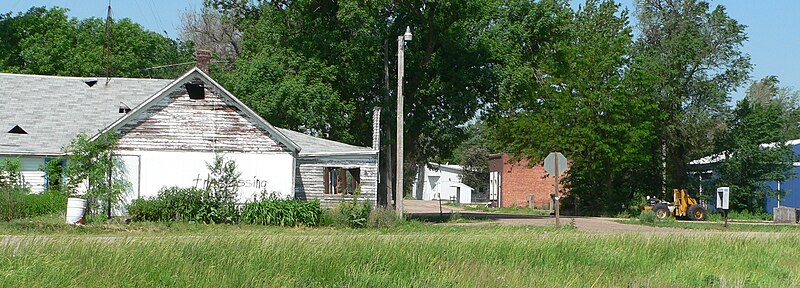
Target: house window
{"points": [[342, 181]]}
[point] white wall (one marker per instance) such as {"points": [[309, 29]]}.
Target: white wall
{"points": [[29, 166], [446, 190], [271, 172], [439, 183]]}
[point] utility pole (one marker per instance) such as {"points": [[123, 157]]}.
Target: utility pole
{"points": [[107, 45], [401, 46]]}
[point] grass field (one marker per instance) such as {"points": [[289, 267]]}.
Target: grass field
{"points": [[412, 255]]}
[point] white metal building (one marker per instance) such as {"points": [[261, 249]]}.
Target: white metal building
{"points": [[441, 181]]}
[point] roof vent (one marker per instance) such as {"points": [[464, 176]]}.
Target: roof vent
{"points": [[124, 108], [17, 130], [196, 91], [90, 82]]}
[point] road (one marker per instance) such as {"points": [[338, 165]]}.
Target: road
{"points": [[590, 224]]}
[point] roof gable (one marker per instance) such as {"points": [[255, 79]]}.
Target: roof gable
{"points": [[191, 78]]}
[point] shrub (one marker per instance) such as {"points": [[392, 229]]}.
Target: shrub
{"points": [[270, 210], [647, 217], [148, 210], [455, 217], [47, 203], [348, 214], [10, 204], [354, 214], [12, 189], [382, 218], [184, 204], [331, 217], [20, 204]]}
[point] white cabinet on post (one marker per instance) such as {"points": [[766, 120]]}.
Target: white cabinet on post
{"points": [[723, 198]]}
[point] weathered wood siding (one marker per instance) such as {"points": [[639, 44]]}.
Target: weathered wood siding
{"points": [[310, 178], [178, 123]]}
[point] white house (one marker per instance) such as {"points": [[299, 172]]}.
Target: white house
{"points": [[169, 129], [441, 181]]}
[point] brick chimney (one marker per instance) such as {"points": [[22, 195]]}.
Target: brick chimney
{"points": [[203, 60], [376, 128]]}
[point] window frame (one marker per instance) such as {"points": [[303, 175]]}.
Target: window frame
{"points": [[351, 176]]}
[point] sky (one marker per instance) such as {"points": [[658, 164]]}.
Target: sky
{"points": [[771, 26]]}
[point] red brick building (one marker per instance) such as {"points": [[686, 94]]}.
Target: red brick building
{"points": [[513, 184]]}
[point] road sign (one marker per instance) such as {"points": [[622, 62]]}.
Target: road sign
{"points": [[550, 163], [555, 163]]}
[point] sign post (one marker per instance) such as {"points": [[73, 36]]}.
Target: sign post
{"points": [[555, 163]]}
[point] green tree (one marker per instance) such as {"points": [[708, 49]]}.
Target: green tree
{"points": [[755, 146], [756, 152], [473, 156], [767, 91], [46, 41], [693, 56], [222, 188], [320, 66], [91, 164], [588, 106]]}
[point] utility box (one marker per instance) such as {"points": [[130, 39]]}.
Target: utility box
{"points": [[784, 214], [723, 197]]}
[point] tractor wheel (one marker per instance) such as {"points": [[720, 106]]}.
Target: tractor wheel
{"points": [[697, 213], [661, 211]]}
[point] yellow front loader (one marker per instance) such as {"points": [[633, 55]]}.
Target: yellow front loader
{"points": [[683, 206]]}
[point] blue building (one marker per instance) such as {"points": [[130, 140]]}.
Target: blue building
{"points": [[705, 171]]}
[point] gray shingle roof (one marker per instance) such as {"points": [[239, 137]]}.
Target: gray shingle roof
{"points": [[54, 109], [314, 145]]}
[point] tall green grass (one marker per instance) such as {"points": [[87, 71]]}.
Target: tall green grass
{"points": [[500, 258]]}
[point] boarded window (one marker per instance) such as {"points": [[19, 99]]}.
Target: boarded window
{"points": [[342, 181], [196, 91]]}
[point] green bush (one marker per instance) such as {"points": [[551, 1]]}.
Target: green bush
{"points": [[270, 210], [348, 214], [148, 210], [20, 204], [647, 217], [455, 217], [382, 218], [355, 214], [185, 204], [10, 204], [43, 204]]}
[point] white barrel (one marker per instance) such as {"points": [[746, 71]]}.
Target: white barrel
{"points": [[75, 208]]}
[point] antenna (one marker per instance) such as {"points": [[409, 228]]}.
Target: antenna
{"points": [[107, 45]]}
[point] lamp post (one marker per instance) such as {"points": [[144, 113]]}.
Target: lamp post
{"points": [[401, 46]]}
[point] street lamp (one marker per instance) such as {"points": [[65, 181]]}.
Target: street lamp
{"points": [[402, 40]]}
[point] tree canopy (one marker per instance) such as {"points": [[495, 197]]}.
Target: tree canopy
{"points": [[517, 76], [48, 42]]}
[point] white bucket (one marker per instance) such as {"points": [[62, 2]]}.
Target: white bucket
{"points": [[75, 209]]}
